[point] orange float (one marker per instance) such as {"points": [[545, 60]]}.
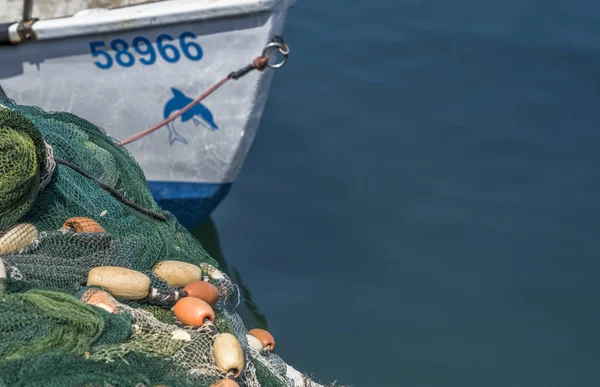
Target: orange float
{"points": [[205, 291], [101, 299], [265, 338], [80, 224], [193, 311]]}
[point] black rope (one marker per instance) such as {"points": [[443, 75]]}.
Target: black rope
{"points": [[241, 72], [114, 192]]}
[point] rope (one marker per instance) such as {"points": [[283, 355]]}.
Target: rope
{"points": [[260, 63], [50, 166], [114, 192]]}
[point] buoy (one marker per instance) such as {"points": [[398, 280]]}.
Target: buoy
{"points": [[17, 237], [203, 290], [228, 354], [80, 224], [176, 273], [225, 383], [265, 338], [211, 271], [122, 283], [254, 343], [101, 299], [193, 311]]}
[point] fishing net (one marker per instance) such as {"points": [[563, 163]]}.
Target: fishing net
{"points": [[73, 202]]}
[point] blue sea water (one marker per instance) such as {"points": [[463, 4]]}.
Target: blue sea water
{"points": [[421, 205]]}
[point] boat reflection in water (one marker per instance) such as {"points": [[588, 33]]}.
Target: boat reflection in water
{"points": [[207, 234]]}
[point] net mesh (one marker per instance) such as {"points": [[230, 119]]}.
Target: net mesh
{"points": [[55, 328]]}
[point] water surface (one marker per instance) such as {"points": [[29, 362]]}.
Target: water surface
{"points": [[420, 207]]}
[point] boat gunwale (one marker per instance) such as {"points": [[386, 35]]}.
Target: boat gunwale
{"points": [[145, 15]]}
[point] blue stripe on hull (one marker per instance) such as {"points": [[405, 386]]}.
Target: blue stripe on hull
{"points": [[191, 203]]}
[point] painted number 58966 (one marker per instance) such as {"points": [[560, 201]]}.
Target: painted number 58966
{"points": [[144, 48]]}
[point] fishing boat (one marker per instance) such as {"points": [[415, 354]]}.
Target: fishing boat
{"points": [[125, 65]]}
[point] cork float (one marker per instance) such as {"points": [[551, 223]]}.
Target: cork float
{"points": [[122, 283], [17, 237], [176, 273], [228, 354]]}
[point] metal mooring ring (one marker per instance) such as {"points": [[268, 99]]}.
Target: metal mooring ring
{"points": [[283, 50]]}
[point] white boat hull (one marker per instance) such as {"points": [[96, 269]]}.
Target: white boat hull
{"points": [[148, 62]]}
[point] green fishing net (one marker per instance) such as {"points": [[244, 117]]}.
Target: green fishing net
{"points": [[19, 168], [72, 200]]}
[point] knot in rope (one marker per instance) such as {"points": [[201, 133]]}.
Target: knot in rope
{"points": [[260, 63]]}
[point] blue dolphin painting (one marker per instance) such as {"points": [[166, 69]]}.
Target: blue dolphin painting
{"points": [[198, 113]]}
